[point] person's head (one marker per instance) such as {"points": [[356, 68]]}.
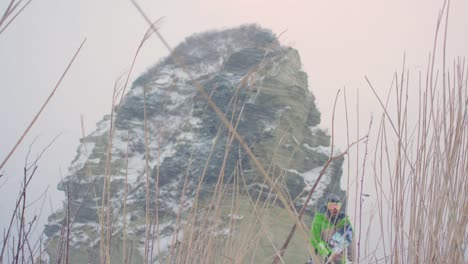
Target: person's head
{"points": [[333, 204]]}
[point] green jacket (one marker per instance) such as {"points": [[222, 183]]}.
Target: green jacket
{"points": [[322, 222]]}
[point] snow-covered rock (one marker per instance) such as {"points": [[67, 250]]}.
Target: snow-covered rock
{"points": [[261, 88]]}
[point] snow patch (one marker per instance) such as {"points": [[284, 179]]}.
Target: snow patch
{"points": [[195, 121], [236, 217], [311, 176], [189, 136], [137, 91], [269, 126], [320, 149], [315, 129], [84, 152], [96, 161], [293, 171], [177, 99], [180, 75], [169, 151], [163, 79], [102, 127], [136, 168]]}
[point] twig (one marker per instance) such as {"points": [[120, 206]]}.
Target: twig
{"points": [[23, 193], [21, 228]]}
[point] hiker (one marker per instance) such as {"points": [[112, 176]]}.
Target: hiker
{"points": [[327, 221]]}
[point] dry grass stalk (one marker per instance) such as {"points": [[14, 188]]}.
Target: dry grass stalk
{"points": [[426, 202], [124, 242], [105, 218], [147, 180], [12, 11]]}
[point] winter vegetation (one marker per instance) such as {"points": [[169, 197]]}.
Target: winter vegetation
{"points": [[185, 170]]}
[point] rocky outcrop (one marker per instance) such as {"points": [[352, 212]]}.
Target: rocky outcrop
{"points": [[261, 88]]}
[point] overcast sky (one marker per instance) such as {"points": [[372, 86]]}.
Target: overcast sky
{"points": [[339, 42]]}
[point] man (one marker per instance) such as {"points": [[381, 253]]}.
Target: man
{"points": [[327, 221]]}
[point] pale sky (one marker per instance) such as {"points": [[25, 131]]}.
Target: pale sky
{"points": [[339, 42]]}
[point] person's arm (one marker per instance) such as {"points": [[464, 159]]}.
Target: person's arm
{"points": [[352, 247], [316, 239]]}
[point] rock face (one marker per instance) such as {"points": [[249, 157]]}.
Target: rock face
{"points": [[189, 156]]}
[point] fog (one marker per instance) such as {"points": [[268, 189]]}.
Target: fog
{"points": [[340, 42]]}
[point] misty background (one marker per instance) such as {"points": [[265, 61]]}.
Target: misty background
{"points": [[339, 42]]}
